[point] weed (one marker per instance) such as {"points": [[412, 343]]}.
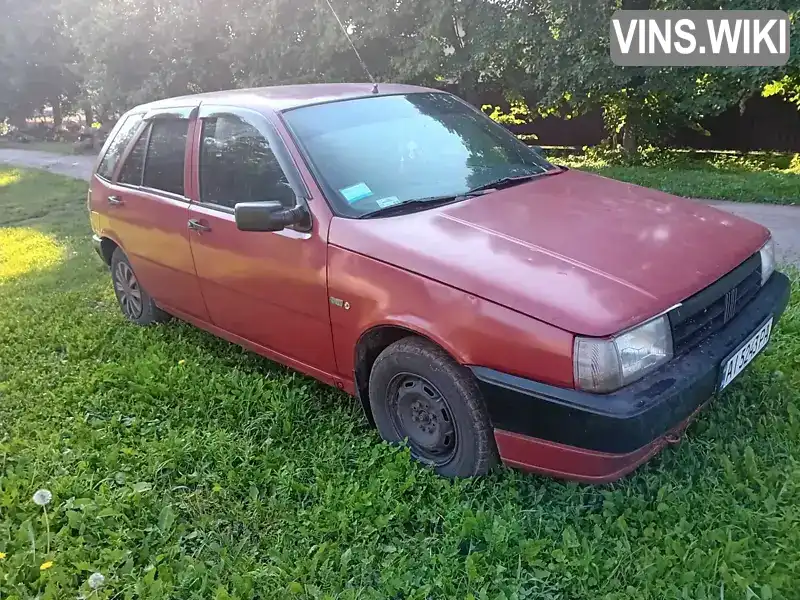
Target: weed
{"points": [[768, 177], [183, 467]]}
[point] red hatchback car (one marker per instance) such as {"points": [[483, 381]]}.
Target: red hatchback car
{"points": [[480, 302]]}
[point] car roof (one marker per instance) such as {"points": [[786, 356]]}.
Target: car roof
{"points": [[285, 97]]}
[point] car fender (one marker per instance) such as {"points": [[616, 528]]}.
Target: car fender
{"points": [[366, 294]]}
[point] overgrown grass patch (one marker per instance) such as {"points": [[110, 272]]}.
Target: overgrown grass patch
{"points": [[184, 467], [769, 177]]}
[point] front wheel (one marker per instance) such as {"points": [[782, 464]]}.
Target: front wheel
{"points": [[418, 393]]}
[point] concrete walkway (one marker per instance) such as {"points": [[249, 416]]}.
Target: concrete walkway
{"points": [[78, 166], [783, 221]]}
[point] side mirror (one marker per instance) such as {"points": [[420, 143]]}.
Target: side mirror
{"points": [[268, 216]]}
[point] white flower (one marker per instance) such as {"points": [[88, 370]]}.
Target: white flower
{"points": [[96, 580], [42, 497]]}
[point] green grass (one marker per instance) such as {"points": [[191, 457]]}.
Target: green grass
{"points": [[56, 147], [753, 177], [183, 467]]}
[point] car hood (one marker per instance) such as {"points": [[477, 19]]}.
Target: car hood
{"points": [[585, 253]]}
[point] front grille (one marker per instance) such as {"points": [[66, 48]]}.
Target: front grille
{"points": [[709, 310]]}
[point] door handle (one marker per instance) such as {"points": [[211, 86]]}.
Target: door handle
{"points": [[115, 200], [196, 225]]}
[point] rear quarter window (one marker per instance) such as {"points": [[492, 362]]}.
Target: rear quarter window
{"points": [[133, 168], [116, 148]]}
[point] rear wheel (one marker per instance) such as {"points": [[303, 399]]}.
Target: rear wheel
{"points": [[134, 301], [420, 394]]}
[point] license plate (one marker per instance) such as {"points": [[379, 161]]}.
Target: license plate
{"points": [[736, 362]]}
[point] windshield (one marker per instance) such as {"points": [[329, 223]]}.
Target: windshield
{"points": [[371, 153]]}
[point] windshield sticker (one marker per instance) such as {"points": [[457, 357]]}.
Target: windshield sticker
{"points": [[356, 192], [389, 201]]}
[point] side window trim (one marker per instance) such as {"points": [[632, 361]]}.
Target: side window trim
{"points": [[185, 111], [165, 194], [216, 207], [150, 122], [267, 129]]}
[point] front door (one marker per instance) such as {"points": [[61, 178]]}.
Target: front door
{"points": [[148, 210], [269, 288]]}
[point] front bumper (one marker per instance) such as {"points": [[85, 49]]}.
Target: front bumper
{"points": [[598, 438]]}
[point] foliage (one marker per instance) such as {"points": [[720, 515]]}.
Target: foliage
{"points": [[183, 467], [788, 87], [547, 55], [568, 65], [768, 177], [36, 59], [518, 113]]}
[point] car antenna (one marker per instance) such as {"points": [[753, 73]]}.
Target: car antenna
{"points": [[353, 46]]}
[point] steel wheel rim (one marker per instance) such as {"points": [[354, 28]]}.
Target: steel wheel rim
{"points": [[420, 413], [129, 293]]}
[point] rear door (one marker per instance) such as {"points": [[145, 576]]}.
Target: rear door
{"points": [[269, 288], [107, 166], [148, 211]]}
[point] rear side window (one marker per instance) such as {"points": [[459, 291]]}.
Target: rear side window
{"points": [[163, 167], [117, 147], [131, 172], [238, 165]]}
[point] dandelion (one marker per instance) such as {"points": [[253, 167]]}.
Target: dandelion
{"points": [[96, 581], [46, 565], [181, 362], [2, 555], [42, 498]]}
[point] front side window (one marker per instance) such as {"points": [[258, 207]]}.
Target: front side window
{"points": [[371, 153], [166, 152], [122, 137], [238, 165]]}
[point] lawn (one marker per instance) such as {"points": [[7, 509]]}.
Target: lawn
{"points": [[56, 147], [753, 177], [183, 467]]}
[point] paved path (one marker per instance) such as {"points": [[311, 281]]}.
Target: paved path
{"points": [[78, 166], [783, 221]]}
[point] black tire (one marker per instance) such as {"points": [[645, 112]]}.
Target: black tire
{"points": [[419, 393], [135, 303]]}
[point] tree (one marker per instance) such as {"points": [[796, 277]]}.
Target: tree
{"points": [[568, 67], [465, 43], [134, 51], [36, 60], [551, 54], [138, 51]]}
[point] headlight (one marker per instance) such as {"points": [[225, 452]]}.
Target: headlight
{"points": [[605, 365], [767, 260]]}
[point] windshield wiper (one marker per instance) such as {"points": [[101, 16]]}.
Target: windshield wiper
{"points": [[405, 205], [504, 182]]}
